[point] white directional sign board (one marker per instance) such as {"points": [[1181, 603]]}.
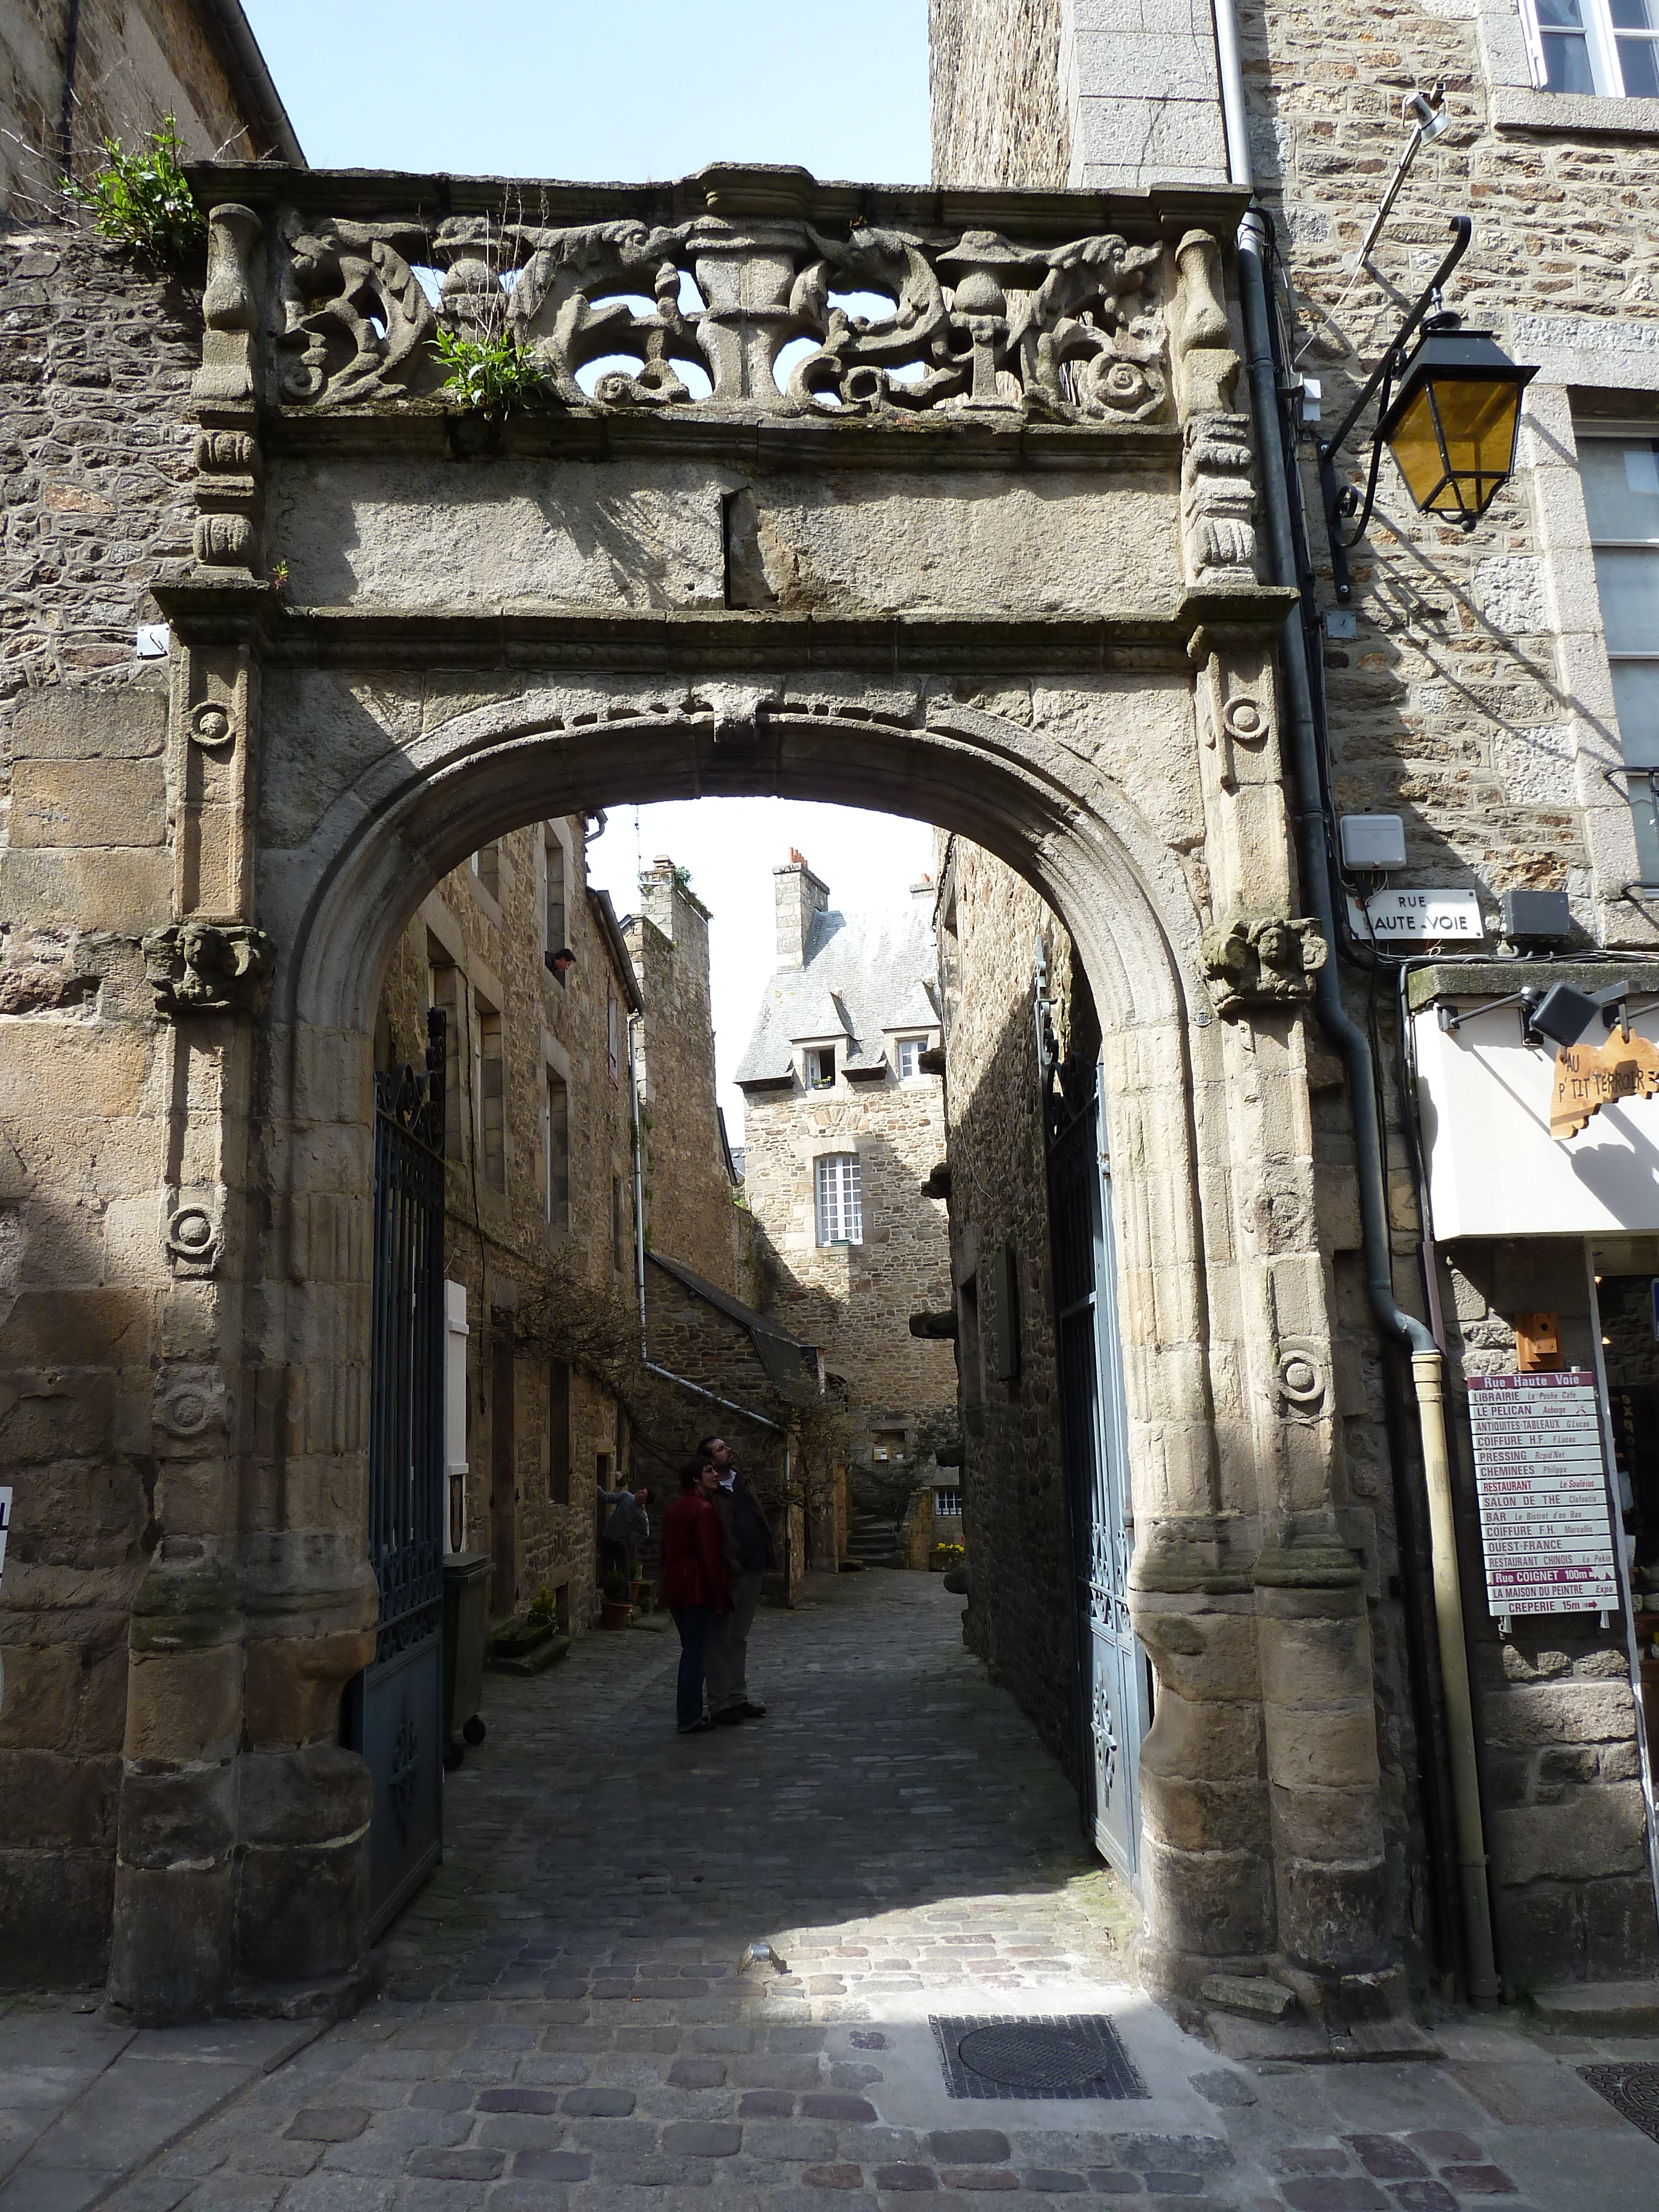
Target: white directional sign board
{"points": [[1538, 1469]]}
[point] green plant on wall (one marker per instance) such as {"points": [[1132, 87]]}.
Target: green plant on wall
{"points": [[143, 199], [491, 373]]}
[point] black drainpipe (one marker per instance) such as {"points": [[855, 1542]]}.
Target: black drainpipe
{"points": [[66, 108]]}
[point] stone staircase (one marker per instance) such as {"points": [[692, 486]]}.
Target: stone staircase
{"points": [[872, 1539]]}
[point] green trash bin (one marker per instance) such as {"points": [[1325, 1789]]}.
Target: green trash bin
{"points": [[466, 1623]]}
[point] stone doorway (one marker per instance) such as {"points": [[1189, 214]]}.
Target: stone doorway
{"points": [[1013, 595]]}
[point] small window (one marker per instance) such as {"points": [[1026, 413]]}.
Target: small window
{"points": [[1621, 480], [821, 1068], [910, 1050], [558, 1431], [556, 1151], [1609, 47], [555, 919], [613, 1036], [486, 866], [947, 1503], [488, 1095], [840, 1205]]}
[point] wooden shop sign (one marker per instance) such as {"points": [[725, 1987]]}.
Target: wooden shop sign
{"points": [[1589, 1078]]}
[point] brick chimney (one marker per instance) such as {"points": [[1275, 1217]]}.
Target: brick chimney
{"points": [[800, 896]]}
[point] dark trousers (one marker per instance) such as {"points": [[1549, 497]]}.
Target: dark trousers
{"points": [[693, 1621], [613, 1557]]}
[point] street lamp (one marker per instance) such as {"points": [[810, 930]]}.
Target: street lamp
{"points": [[1451, 426]]}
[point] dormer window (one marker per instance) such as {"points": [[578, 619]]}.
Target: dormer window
{"points": [[821, 1068], [910, 1050]]}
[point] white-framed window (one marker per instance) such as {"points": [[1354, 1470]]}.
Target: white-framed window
{"points": [[841, 1204], [1609, 47], [910, 1050], [1619, 471], [821, 1068], [948, 1504]]}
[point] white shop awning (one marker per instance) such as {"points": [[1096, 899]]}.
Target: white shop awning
{"points": [[1494, 1168]]}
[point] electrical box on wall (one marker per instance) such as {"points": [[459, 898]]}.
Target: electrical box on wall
{"points": [[1373, 840], [1537, 918]]}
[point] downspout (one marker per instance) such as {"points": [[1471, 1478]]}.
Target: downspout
{"points": [[66, 108], [651, 1366], [1427, 1360]]}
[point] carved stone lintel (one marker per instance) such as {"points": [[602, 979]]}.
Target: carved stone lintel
{"points": [[1263, 960], [207, 968]]}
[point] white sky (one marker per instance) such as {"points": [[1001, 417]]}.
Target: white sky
{"points": [[635, 90], [732, 845]]}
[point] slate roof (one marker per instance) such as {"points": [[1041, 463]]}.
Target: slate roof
{"points": [[874, 969], [786, 1358]]}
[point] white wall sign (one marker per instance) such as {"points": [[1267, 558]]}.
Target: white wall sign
{"points": [[1538, 1469], [1494, 1168], [5, 1524], [1422, 917]]}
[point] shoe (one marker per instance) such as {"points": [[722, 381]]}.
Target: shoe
{"points": [[729, 1716], [750, 1711], [697, 1727]]}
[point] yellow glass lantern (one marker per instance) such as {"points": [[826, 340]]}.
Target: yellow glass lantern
{"points": [[1452, 423]]}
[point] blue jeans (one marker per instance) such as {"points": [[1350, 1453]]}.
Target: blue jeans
{"points": [[693, 1623]]}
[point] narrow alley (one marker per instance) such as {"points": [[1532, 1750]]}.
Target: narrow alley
{"points": [[573, 2018]]}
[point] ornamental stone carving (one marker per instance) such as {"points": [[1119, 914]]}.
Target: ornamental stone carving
{"points": [[977, 322], [1263, 960], [230, 472], [1218, 496], [192, 1240], [207, 968]]}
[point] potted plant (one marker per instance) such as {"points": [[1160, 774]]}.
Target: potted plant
{"points": [[615, 1609]]}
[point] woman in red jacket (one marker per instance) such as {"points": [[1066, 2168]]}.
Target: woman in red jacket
{"points": [[691, 1583]]}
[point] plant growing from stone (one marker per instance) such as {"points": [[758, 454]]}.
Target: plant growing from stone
{"points": [[143, 199], [489, 374]]}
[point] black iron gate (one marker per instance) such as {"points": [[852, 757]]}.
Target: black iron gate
{"points": [[1094, 1425], [395, 1715]]}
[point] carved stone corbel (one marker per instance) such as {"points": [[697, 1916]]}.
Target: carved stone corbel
{"points": [[230, 471], [1217, 496], [207, 968], [1263, 960]]}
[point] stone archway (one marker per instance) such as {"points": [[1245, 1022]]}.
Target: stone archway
{"points": [[1109, 732]]}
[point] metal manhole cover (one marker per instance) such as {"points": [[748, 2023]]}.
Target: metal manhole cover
{"points": [[1632, 2090], [1076, 2056]]}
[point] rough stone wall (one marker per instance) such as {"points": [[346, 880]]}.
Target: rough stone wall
{"points": [[135, 62], [854, 1301], [94, 453], [689, 1209], [994, 72], [1563, 1774], [499, 1244], [1014, 1519], [709, 1348]]}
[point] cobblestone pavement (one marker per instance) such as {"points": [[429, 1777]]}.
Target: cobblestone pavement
{"points": [[568, 2027]]}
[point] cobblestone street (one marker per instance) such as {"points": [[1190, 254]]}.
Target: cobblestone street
{"points": [[567, 2023]]}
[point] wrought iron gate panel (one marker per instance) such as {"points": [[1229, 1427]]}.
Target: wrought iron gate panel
{"points": [[395, 1714], [1094, 1440]]}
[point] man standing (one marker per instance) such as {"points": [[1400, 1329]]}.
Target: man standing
{"points": [[748, 1550], [625, 1532]]}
